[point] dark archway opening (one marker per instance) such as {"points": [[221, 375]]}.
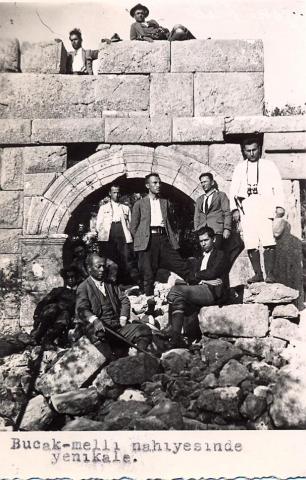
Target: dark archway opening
{"points": [[181, 211]]}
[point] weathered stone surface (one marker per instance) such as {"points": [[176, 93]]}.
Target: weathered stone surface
{"points": [[288, 409], [285, 311], [103, 383], [210, 381], [168, 412], [38, 415], [128, 94], [253, 406], [217, 56], [197, 129], [83, 424], [9, 55], [269, 293], [133, 370], [228, 94], [224, 158], [10, 265], [36, 184], [249, 124], [176, 360], [11, 209], [9, 240], [223, 400], [232, 374], [43, 57], [76, 402], [14, 131], [44, 159], [264, 373], [197, 152], [121, 413], [137, 130], [235, 320], [285, 141], [218, 352], [171, 94], [147, 423], [72, 369], [130, 394], [284, 329], [266, 348], [241, 270], [291, 165], [11, 169], [10, 326], [134, 57], [68, 130]]}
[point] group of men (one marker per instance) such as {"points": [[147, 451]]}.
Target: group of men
{"points": [[79, 60], [256, 198]]}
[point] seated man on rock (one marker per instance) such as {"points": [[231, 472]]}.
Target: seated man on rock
{"points": [[206, 288], [54, 314], [100, 306], [150, 30]]}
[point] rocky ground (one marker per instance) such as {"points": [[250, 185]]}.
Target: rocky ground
{"points": [[249, 373]]}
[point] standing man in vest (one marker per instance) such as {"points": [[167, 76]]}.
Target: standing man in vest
{"points": [[256, 198], [79, 61], [153, 236], [114, 236]]}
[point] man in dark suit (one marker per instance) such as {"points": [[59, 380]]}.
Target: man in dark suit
{"points": [[212, 209], [207, 288], [101, 303], [153, 236]]}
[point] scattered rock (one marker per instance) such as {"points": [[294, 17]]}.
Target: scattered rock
{"points": [[168, 412], [176, 360], [76, 402], [103, 383], [217, 352], [38, 415], [253, 406], [130, 394], [285, 311], [223, 400], [83, 424], [4, 427], [14, 343], [284, 329], [121, 413], [210, 381], [266, 348], [263, 422], [232, 374], [192, 424], [147, 423], [269, 293], [263, 391], [264, 373], [133, 370]]}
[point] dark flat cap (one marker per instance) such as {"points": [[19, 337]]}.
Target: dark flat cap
{"points": [[139, 7]]}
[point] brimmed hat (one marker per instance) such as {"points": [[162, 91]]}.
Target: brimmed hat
{"points": [[139, 7]]}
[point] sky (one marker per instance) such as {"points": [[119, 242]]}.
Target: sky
{"points": [[280, 23]]}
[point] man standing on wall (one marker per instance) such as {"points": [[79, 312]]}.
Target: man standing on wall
{"points": [[256, 197], [114, 236], [153, 236], [79, 61], [212, 209]]}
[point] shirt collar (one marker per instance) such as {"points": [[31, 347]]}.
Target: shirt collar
{"points": [[210, 192]]}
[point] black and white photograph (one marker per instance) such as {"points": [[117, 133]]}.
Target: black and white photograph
{"points": [[152, 227]]}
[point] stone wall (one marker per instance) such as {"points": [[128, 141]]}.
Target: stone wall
{"points": [[176, 108]]}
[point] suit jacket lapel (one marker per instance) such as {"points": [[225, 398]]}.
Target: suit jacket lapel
{"points": [[163, 207], [97, 294], [147, 205]]}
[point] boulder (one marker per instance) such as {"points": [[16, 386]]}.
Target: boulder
{"points": [[284, 329], [133, 370], [103, 383], [76, 402], [235, 320], [223, 400], [267, 348], [83, 424], [263, 422], [38, 415], [176, 360], [264, 373], [253, 406], [72, 370], [232, 374], [147, 423], [269, 293], [121, 413], [130, 394], [9, 55], [169, 413], [218, 352], [210, 381], [286, 311]]}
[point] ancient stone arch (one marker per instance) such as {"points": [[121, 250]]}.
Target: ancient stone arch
{"points": [[48, 215]]}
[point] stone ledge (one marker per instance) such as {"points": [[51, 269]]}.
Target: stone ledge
{"points": [[43, 57], [9, 55], [263, 124], [198, 129], [285, 142], [14, 131], [292, 166], [138, 130], [68, 130], [217, 56], [135, 57]]}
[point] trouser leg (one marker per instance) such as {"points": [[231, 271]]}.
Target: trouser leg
{"points": [[148, 264], [269, 259], [171, 260], [254, 257]]}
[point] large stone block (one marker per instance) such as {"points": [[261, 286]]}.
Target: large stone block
{"points": [[138, 130], [235, 320], [11, 169], [11, 209], [72, 370], [44, 159], [228, 94], [122, 93], [38, 415], [198, 129], [224, 158], [43, 57], [171, 94], [268, 293], [217, 56], [286, 141], [135, 57], [9, 240], [14, 131], [291, 165], [224, 401], [9, 55], [68, 130], [285, 329], [36, 184], [261, 123], [196, 152]]}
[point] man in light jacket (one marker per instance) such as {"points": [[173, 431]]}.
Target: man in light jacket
{"points": [[256, 198], [114, 236]]}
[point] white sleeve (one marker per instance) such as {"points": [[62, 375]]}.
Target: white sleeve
{"points": [[99, 219]]}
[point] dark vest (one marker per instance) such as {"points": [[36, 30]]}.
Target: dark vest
{"points": [[108, 314]]}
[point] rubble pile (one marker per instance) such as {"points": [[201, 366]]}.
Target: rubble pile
{"points": [[248, 372]]}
